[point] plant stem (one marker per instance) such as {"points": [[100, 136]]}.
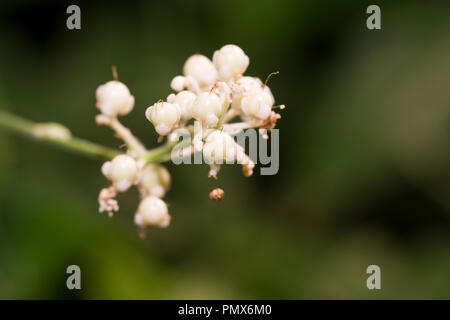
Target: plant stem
{"points": [[27, 128], [158, 153], [125, 134]]}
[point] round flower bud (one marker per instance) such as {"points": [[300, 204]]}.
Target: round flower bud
{"points": [[152, 211], [155, 179], [242, 87], [114, 98], [230, 61], [201, 69], [122, 171], [178, 83], [220, 147], [164, 116], [185, 100], [258, 103], [207, 108]]}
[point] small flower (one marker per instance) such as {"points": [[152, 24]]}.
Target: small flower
{"points": [[154, 180], [257, 103], [107, 201], [122, 171], [201, 69], [185, 100], [220, 147], [178, 83], [247, 84], [242, 87], [152, 211], [164, 116], [217, 194], [114, 98], [230, 61], [207, 108]]}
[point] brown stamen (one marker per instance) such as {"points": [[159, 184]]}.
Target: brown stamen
{"points": [[114, 72], [213, 87], [268, 77]]}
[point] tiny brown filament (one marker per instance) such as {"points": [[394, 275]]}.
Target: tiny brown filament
{"points": [[114, 72], [268, 77]]}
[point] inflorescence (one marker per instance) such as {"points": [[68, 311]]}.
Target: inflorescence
{"points": [[209, 94]]}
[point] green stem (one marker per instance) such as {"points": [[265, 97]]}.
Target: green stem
{"points": [[28, 128], [158, 153], [164, 152]]}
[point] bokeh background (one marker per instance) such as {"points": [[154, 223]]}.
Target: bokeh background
{"points": [[364, 153]]}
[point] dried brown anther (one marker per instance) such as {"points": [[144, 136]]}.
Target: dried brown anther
{"points": [[217, 194], [271, 121]]}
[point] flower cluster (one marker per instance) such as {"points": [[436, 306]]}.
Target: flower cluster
{"points": [[213, 92], [210, 93], [131, 168]]}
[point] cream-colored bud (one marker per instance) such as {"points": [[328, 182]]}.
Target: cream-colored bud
{"points": [[122, 171], [243, 87], [185, 100], [230, 61], [201, 69], [164, 116], [152, 211], [155, 179], [114, 98], [220, 147], [258, 103], [178, 83], [207, 108]]}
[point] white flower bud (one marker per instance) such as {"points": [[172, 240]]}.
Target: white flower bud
{"points": [[185, 100], [122, 171], [155, 179], [230, 61], [178, 83], [220, 147], [201, 69], [114, 98], [171, 97], [164, 116], [258, 103], [243, 87], [207, 108], [152, 211]]}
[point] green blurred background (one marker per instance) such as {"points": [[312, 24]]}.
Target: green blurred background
{"points": [[364, 153]]}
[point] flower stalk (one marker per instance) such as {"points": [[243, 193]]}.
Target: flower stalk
{"points": [[29, 128]]}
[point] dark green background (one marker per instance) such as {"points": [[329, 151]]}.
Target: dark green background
{"points": [[364, 162]]}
